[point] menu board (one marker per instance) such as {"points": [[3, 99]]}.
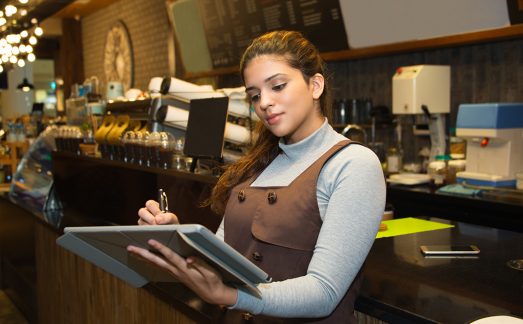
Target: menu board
{"points": [[230, 25]]}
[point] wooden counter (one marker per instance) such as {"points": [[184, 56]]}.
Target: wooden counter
{"points": [[400, 285]]}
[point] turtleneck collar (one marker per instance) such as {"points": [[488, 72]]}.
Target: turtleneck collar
{"points": [[310, 143]]}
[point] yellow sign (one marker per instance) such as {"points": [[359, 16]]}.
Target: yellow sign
{"points": [[409, 225]]}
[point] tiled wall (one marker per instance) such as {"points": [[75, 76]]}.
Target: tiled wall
{"points": [[491, 72], [148, 26]]}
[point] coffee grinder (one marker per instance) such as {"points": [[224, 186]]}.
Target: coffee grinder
{"points": [[423, 91]]}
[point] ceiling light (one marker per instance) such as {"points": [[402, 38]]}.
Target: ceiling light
{"points": [[39, 31], [21, 63], [24, 33], [13, 59], [23, 1], [31, 57], [10, 10]]}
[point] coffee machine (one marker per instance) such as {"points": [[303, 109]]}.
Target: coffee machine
{"points": [[424, 92], [494, 134]]}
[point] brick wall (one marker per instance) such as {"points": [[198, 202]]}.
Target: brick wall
{"points": [[148, 26]]}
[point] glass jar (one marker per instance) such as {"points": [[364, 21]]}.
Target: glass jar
{"points": [[153, 149], [394, 160], [166, 150], [455, 166], [438, 171]]}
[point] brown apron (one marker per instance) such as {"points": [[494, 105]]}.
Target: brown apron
{"points": [[277, 228]]}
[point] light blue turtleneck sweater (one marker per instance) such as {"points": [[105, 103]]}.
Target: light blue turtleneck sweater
{"points": [[351, 199]]}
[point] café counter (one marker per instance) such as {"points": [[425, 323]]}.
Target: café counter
{"points": [[400, 284]]}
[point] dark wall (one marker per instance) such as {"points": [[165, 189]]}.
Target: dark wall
{"points": [[488, 72], [491, 72]]}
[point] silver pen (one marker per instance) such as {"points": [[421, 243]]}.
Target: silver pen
{"points": [[162, 200]]}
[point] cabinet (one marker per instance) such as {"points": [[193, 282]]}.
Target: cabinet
{"points": [[16, 152]]}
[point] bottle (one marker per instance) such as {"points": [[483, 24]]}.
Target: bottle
{"points": [[394, 160], [455, 166], [438, 171]]}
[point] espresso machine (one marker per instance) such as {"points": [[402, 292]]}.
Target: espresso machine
{"points": [[494, 134], [423, 91]]}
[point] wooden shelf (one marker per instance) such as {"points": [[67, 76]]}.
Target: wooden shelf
{"points": [[17, 150], [498, 34]]}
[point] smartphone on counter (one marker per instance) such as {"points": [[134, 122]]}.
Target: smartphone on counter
{"points": [[449, 250]]}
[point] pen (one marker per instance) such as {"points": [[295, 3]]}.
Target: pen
{"points": [[162, 200]]}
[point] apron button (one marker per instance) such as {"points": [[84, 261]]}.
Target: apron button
{"points": [[271, 197], [241, 195], [257, 256]]}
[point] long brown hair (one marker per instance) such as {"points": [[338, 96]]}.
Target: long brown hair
{"points": [[300, 54]]}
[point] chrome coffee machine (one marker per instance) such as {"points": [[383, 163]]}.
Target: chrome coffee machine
{"points": [[424, 91]]}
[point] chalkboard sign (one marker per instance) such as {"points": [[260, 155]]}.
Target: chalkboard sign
{"points": [[230, 25]]}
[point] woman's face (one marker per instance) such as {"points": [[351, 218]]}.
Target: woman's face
{"points": [[286, 103]]}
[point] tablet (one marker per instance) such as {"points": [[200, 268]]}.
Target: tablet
{"points": [[106, 247]]}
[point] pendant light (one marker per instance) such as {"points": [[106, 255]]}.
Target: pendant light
{"points": [[25, 86]]}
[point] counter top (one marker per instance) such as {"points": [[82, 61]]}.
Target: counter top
{"points": [[491, 209], [402, 285]]}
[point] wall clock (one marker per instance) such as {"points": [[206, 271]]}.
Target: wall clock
{"points": [[118, 56]]}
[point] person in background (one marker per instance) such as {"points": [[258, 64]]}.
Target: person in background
{"points": [[304, 204]]}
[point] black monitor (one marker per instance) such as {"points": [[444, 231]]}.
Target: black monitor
{"points": [[206, 128]]}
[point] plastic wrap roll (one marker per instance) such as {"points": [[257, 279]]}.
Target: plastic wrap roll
{"points": [[241, 108], [177, 117], [233, 133], [237, 134], [155, 84]]}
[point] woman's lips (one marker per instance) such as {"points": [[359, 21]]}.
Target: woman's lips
{"points": [[273, 119]]}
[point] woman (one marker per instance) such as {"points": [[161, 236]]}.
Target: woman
{"points": [[303, 204]]}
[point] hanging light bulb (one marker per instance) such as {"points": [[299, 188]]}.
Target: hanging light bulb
{"points": [[24, 33], [33, 40], [13, 59], [15, 50], [34, 21], [29, 48], [39, 31], [22, 48], [2, 21], [23, 12], [31, 57], [23, 1], [21, 63], [1, 69], [10, 10], [5, 58]]}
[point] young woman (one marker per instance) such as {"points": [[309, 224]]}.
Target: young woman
{"points": [[304, 204]]}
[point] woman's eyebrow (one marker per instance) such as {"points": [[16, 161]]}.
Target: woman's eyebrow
{"points": [[266, 80]]}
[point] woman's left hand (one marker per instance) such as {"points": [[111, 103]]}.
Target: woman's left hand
{"points": [[194, 272]]}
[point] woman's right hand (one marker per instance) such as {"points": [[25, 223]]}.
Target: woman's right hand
{"points": [[152, 215]]}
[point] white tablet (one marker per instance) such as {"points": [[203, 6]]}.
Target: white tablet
{"points": [[106, 246]]}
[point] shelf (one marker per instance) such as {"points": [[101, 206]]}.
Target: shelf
{"points": [[498, 34]]}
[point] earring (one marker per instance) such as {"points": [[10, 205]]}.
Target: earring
{"points": [[251, 108]]}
